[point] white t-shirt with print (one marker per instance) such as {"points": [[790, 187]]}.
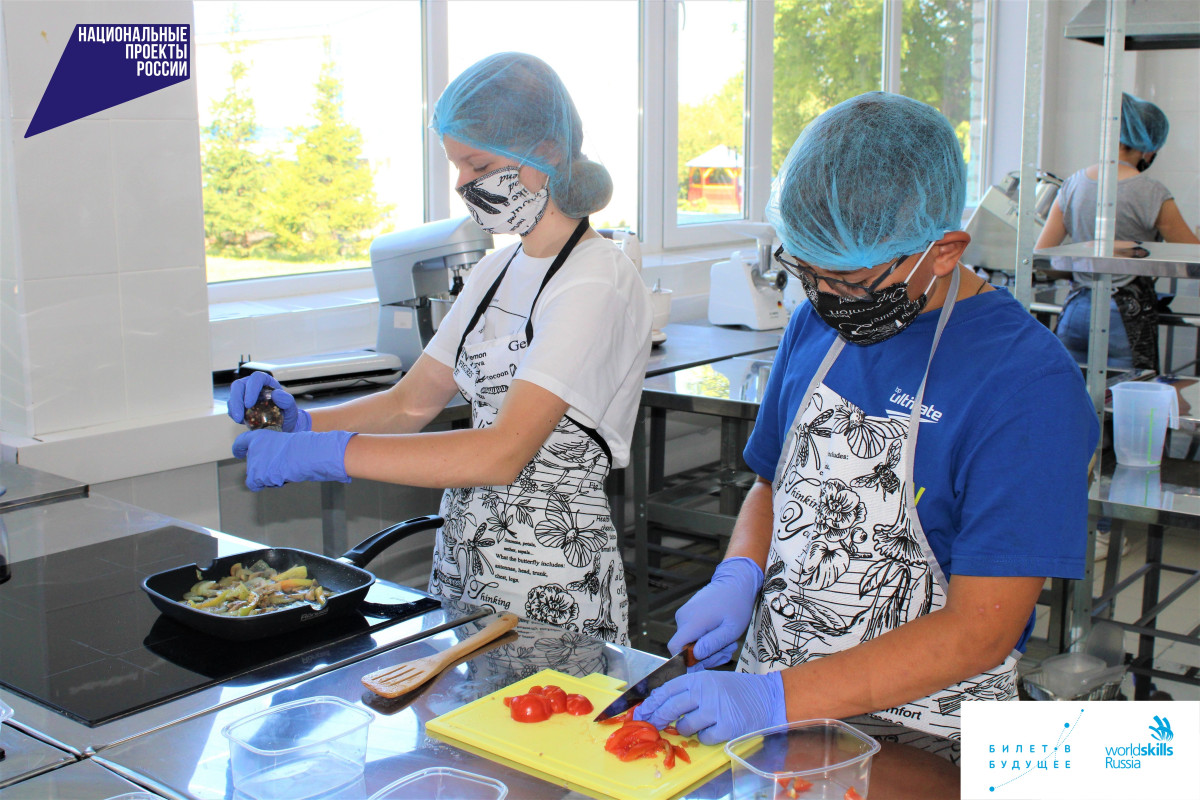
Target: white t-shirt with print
{"points": [[591, 329]]}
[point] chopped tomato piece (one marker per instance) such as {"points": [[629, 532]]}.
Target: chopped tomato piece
{"points": [[579, 705], [640, 750], [508, 702], [556, 697], [801, 785], [671, 729], [851, 795], [618, 719], [682, 753], [530, 708], [669, 761], [640, 723]]}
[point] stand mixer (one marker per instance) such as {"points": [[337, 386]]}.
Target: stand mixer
{"points": [[418, 273], [744, 291]]}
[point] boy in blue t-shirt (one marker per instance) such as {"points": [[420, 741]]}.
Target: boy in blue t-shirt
{"points": [[883, 576]]}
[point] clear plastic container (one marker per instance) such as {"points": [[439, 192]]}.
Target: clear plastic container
{"points": [[298, 750], [1142, 412], [443, 783], [817, 759]]}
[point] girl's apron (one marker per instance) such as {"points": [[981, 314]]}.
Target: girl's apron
{"points": [[543, 547], [849, 560]]}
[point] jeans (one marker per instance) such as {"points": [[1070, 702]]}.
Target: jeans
{"points": [[1074, 326]]}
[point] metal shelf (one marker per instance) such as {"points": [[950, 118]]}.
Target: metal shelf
{"points": [[1160, 259]]}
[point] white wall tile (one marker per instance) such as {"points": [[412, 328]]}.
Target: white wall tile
{"points": [[65, 220], [14, 378], [164, 325], [159, 211], [36, 33], [76, 368]]}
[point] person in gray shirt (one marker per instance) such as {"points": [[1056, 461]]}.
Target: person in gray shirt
{"points": [[1146, 211]]}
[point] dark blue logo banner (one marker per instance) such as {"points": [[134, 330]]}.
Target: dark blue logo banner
{"points": [[105, 65]]}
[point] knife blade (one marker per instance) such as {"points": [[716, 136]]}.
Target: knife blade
{"points": [[673, 667]]}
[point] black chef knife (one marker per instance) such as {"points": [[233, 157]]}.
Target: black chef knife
{"points": [[673, 667]]}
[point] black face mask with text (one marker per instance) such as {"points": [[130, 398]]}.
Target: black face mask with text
{"points": [[873, 320]]}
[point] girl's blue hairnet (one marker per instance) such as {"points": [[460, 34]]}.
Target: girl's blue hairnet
{"points": [[873, 178], [1143, 125], [516, 105]]}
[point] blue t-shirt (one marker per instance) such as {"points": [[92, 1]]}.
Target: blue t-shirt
{"points": [[1006, 434]]}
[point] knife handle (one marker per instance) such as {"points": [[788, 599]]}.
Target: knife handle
{"points": [[689, 659]]}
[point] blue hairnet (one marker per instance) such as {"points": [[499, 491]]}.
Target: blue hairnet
{"points": [[516, 105], [873, 178], [1143, 125]]}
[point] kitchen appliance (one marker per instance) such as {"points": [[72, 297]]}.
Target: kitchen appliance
{"points": [[993, 223], [329, 370], [418, 273], [744, 290], [343, 576], [569, 750], [1149, 24], [394, 681], [81, 637], [672, 668]]}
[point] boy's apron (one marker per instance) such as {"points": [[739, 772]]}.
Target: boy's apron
{"points": [[543, 547], [849, 560]]}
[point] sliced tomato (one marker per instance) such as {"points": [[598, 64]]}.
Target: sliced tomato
{"points": [[530, 708], [579, 705], [624, 738], [640, 723], [801, 785], [618, 719], [851, 795], [640, 750], [669, 761], [508, 702], [682, 753], [671, 729], [556, 697]]}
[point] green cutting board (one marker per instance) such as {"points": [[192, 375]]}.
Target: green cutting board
{"points": [[569, 750]]}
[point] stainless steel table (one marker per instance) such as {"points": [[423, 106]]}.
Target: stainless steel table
{"points": [[83, 780], [26, 486], [732, 390], [191, 760], [690, 344], [44, 529], [25, 756]]}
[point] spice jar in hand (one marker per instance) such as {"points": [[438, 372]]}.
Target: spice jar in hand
{"points": [[264, 413]]}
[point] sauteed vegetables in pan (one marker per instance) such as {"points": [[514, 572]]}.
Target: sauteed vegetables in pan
{"points": [[256, 589]]}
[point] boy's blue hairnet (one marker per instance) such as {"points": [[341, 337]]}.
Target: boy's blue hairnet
{"points": [[516, 105], [1143, 125], [873, 178]]}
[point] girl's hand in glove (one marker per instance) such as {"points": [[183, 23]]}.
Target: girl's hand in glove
{"points": [[244, 393], [274, 458]]}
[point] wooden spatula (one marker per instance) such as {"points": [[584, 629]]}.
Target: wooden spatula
{"points": [[403, 678]]}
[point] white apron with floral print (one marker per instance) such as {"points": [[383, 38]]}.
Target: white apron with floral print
{"points": [[543, 547], [849, 560]]}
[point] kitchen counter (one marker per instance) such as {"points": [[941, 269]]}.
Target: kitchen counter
{"points": [[26, 486], [190, 759], [82, 780]]}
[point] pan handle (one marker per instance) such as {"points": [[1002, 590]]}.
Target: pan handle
{"points": [[373, 545]]}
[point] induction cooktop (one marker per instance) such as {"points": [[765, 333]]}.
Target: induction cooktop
{"points": [[78, 633]]}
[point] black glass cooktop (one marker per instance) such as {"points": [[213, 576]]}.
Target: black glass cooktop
{"points": [[78, 633]]}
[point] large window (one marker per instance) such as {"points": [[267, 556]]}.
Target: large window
{"points": [[310, 116], [313, 113]]}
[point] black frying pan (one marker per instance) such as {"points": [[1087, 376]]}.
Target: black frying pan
{"points": [[343, 576]]}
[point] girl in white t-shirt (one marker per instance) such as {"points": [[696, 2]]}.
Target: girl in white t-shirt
{"points": [[548, 342]]}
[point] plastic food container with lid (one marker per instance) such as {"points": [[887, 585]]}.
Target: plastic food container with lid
{"points": [[443, 783], [298, 750], [817, 759]]}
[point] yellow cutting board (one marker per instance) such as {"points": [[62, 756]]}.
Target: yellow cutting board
{"points": [[569, 750]]}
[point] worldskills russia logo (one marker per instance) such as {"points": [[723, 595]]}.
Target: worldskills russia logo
{"points": [[1161, 729]]}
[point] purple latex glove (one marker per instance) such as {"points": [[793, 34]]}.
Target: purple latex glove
{"points": [[274, 458], [244, 393], [717, 706], [717, 615]]}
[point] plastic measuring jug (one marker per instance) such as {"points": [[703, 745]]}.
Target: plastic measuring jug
{"points": [[1142, 412]]}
